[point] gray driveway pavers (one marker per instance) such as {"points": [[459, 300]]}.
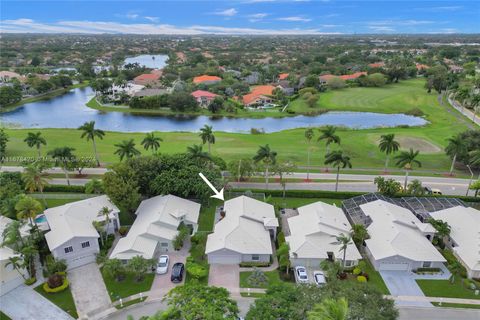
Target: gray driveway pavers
{"points": [[225, 275], [401, 283], [88, 289], [23, 303]]}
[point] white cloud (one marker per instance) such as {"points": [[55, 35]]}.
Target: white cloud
{"points": [[153, 19], [331, 25], [381, 29], [132, 16], [295, 19], [97, 27], [227, 12], [400, 22], [257, 16]]}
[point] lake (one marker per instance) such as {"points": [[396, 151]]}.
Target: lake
{"points": [[153, 61], [69, 111]]}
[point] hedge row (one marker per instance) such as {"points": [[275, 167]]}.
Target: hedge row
{"points": [[64, 188], [61, 288]]}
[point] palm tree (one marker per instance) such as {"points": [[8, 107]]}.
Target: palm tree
{"points": [[126, 149], [344, 240], [35, 140], [196, 152], [17, 264], [308, 136], [105, 213], [35, 180], [359, 234], [388, 145], [455, 268], [64, 156], [12, 235], [406, 160], [455, 146], [328, 134], [91, 133], [100, 229], [329, 309], [442, 227], [268, 157], [475, 158], [206, 133], [28, 209], [332, 268], [338, 159], [151, 142]]}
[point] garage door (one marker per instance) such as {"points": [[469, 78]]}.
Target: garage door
{"points": [[80, 261], [386, 266], [224, 259]]}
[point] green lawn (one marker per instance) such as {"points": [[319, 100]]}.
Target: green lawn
{"points": [[443, 288], [128, 286], [272, 276], [207, 215], [456, 305], [361, 145], [375, 279], [3, 316], [63, 300], [298, 202], [58, 202]]}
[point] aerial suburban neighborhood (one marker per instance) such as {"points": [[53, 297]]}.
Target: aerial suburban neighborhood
{"points": [[259, 160]]}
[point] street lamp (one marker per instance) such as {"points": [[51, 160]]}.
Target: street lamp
{"points": [[470, 181]]}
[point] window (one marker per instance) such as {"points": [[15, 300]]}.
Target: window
{"points": [[86, 244], [68, 249], [348, 263], [164, 244], [427, 264], [255, 257]]}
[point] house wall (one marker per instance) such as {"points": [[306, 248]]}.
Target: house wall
{"points": [[224, 256], [314, 263], [79, 256], [398, 263], [261, 258], [9, 277]]}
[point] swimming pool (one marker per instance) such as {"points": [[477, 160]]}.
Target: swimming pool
{"points": [[41, 219]]}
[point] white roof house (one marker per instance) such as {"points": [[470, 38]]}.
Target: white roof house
{"points": [[157, 221], [313, 235], [9, 277], [465, 235], [397, 232], [75, 220], [5, 221], [245, 229]]}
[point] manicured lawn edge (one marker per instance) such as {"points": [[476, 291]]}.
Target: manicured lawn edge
{"points": [[128, 286], [444, 288], [64, 300], [131, 302], [456, 305]]}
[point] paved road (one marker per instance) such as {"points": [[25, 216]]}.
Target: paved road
{"points": [[466, 112], [419, 313]]}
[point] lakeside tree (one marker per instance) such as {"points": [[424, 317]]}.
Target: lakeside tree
{"points": [[207, 136], [3, 144], [90, 133], [126, 149], [63, 156], [151, 142], [121, 186], [241, 169], [196, 153], [406, 160], [338, 159], [10, 95], [328, 133], [388, 145], [35, 139], [309, 134], [268, 157]]}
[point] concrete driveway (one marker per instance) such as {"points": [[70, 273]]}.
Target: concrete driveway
{"points": [[88, 289], [23, 303], [162, 283], [225, 275], [401, 283]]}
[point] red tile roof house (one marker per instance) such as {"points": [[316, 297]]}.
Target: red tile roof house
{"points": [[204, 98], [258, 96], [206, 79], [283, 76], [147, 79], [324, 79], [377, 65]]}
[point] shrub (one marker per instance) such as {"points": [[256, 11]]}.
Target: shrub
{"points": [[280, 238], [257, 278], [183, 233], [357, 271], [30, 281], [467, 283], [308, 89], [123, 230], [254, 264], [64, 188], [436, 270], [361, 279], [54, 281], [414, 112], [198, 238], [257, 131], [196, 270], [60, 288]]}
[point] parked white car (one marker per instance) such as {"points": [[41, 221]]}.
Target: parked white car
{"points": [[319, 278], [162, 265], [301, 274]]}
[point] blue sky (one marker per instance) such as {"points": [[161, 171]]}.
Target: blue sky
{"points": [[240, 17]]}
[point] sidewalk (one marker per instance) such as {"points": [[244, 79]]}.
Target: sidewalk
{"points": [[466, 112]]}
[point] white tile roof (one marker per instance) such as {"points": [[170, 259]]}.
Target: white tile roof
{"points": [[465, 231], [75, 220], [244, 227], [5, 221], [396, 231], [5, 254], [313, 232], [157, 218]]}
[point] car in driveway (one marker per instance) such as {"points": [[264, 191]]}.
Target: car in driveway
{"points": [[301, 274], [162, 264], [177, 272], [319, 278]]}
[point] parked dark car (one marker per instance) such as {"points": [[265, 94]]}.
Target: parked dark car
{"points": [[177, 272]]}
